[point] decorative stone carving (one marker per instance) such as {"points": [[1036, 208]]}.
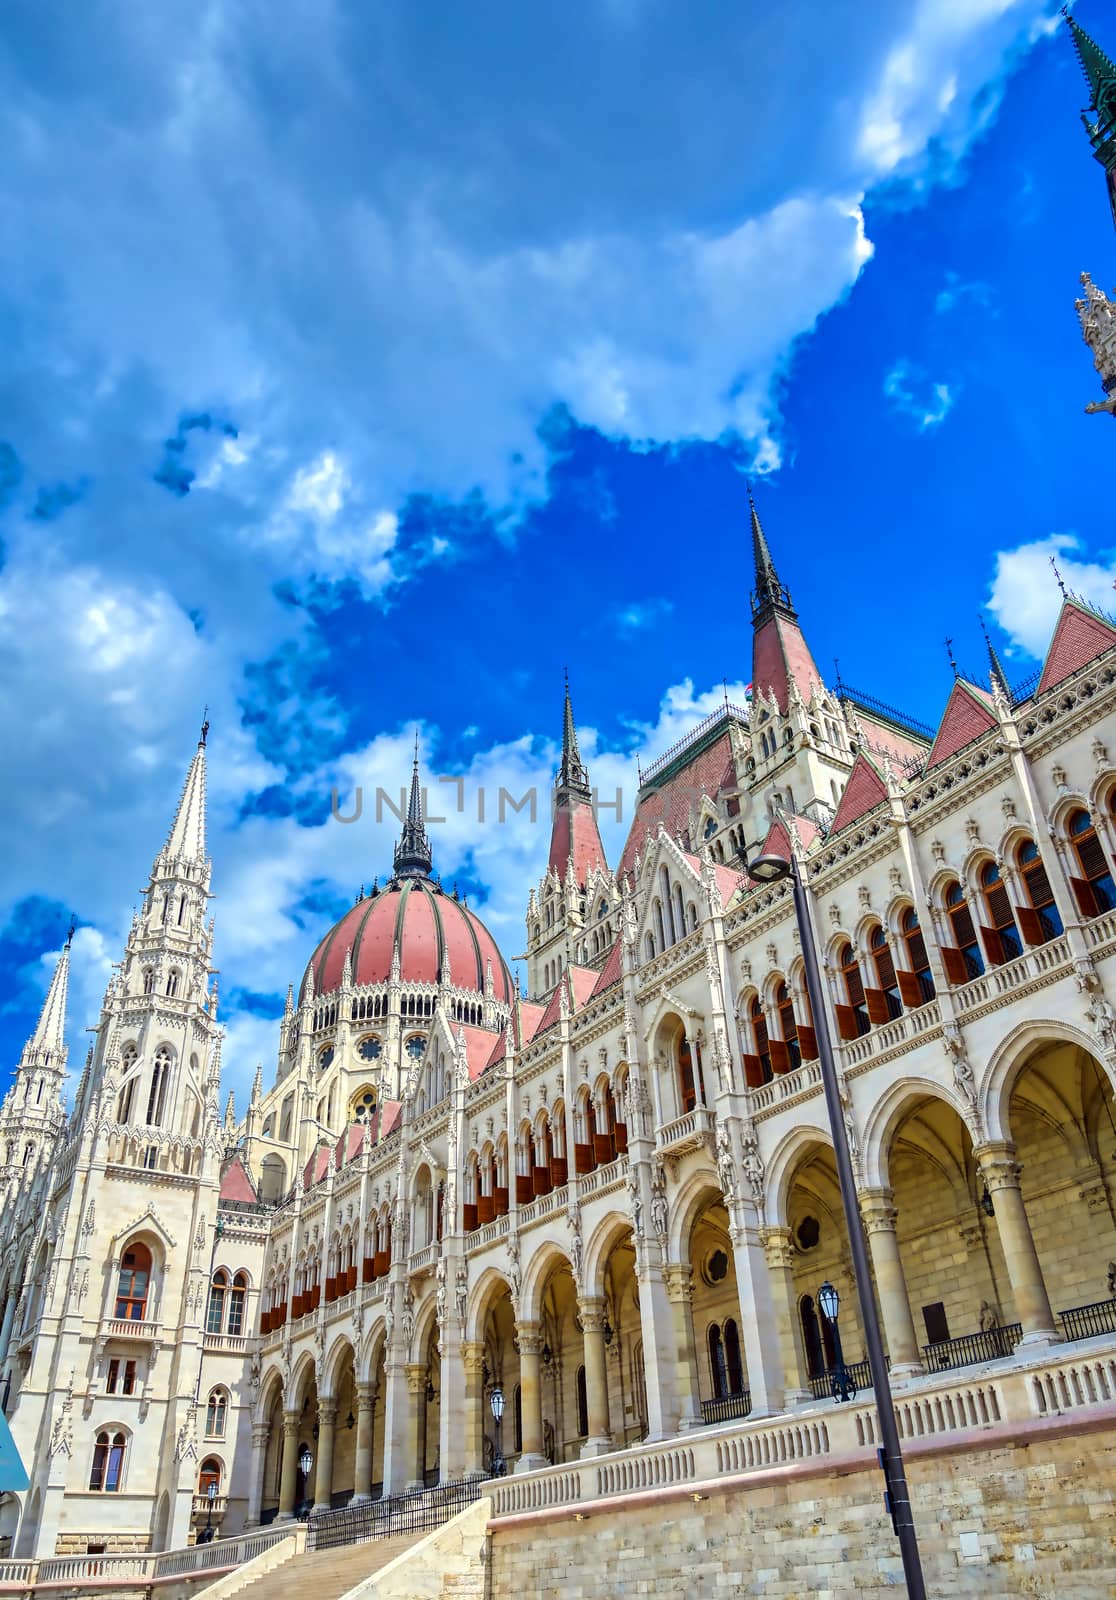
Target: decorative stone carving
{"points": [[726, 1167]]}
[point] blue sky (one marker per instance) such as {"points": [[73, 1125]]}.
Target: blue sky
{"points": [[364, 369]]}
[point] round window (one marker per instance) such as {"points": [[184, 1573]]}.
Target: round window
{"points": [[808, 1233], [716, 1268], [416, 1046], [369, 1049], [326, 1057]]}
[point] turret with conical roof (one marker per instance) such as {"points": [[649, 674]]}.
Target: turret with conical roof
{"points": [[31, 1116], [782, 665]]}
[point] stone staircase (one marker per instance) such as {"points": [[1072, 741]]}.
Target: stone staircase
{"points": [[327, 1574]]}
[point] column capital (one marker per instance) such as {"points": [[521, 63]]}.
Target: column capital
{"points": [[530, 1337], [416, 1376], [291, 1421], [261, 1433], [592, 1311], [366, 1395], [778, 1247], [877, 1208], [472, 1357], [327, 1414], [997, 1164], [679, 1279]]}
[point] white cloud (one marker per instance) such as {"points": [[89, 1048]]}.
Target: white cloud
{"points": [[640, 614], [917, 396], [1024, 596]]}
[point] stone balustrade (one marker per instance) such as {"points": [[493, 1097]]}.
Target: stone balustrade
{"points": [[89, 1574]]}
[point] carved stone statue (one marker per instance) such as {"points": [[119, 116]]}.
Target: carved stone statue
{"points": [[660, 1210], [989, 1317], [726, 1169], [1112, 1279], [635, 1203]]}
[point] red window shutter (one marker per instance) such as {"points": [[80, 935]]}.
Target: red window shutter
{"points": [[1086, 899], [846, 1022], [501, 1202], [877, 1006], [621, 1144], [1038, 884], [998, 905], [753, 1071], [486, 1207], [780, 1056], [993, 945], [1030, 925], [808, 1043], [910, 989], [963, 930], [381, 1263], [523, 1191], [583, 1158], [954, 963], [885, 966], [368, 1271], [540, 1180], [468, 1217]]}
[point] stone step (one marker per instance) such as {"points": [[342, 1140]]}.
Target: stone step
{"points": [[327, 1574]]}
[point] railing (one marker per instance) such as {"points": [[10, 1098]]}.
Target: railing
{"points": [[205, 1507], [1086, 1322], [426, 1257], [691, 1125], [131, 1328], [823, 1384], [992, 1344], [132, 1571], [602, 1177], [728, 1408], [225, 1344], [417, 1512], [785, 1085], [541, 1206]]}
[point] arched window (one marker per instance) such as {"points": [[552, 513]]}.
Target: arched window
{"points": [[811, 1337], [788, 1028], [134, 1283], [210, 1473], [172, 985], [149, 980], [1093, 887], [582, 1405], [238, 1294], [28, 1152], [216, 1414], [215, 1310], [128, 1092], [160, 1077], [917, 985], [686, 1089], [1041, 921], [718, 1372], [884, 1002], [107, 1472], [733, 1364], [852, 1017], [1001, 937], [761, 1039], [964, 961]]}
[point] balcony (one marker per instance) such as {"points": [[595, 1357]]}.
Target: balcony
{"points": [[132, 1328], [202, 1504], [225, 1344], [728, 1408], [690, 1131], [970, 1349], [1089, 1322]]}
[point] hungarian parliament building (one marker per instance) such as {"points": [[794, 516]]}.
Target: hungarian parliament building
{"points": [[610, 1194]]}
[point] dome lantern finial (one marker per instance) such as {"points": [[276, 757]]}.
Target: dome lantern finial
{"points": [[412, 854]]}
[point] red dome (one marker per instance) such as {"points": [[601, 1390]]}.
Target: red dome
{"points": [[428, 928]]}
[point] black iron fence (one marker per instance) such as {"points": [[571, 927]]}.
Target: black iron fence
{"points": [[728, 1408], [1086, 1322], [419, 1511], [970, 1349], [824, 1385]]}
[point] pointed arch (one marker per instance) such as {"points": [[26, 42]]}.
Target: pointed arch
{"points": [[1010, 1057], [783, 1164], [489, 1287], [890, 1111], [543, 1262]]}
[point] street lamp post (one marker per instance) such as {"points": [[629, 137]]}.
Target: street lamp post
{"points": [[843, 1386], [305, 1462], [770, 869], [211, 1495], [496, 1401]]}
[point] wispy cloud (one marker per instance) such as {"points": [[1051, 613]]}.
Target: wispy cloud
{"points": [[639, 614], [1024, 596], [914, 394]]}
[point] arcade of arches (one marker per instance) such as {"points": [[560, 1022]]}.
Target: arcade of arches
{"points": [[963, 1240]]}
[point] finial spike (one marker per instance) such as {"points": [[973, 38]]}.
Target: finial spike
{"points": [[1058, 577], [952, 659]]}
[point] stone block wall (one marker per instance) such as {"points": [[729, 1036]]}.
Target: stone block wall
{"points": [[1016, 1520]]}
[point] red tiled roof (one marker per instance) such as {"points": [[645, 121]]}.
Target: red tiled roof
{"points": [[530, 1020], [969, 712], [478, 1047], [575, 832], [1079, 637], [781, 655], [884, 740], [236, 1184], [862, 793], [429, 928], [348, 1144], [610, 972], [728, 878], [711, 770]]}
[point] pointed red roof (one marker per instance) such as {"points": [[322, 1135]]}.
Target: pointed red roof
{"points": [[1080, 636], [711, 770], [862, 793], [236, 1184], [575, 833], [478, 1048], [610, 972], [780, 656], [969, 712]]}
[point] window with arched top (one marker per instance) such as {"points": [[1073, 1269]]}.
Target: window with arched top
{"points": [[134, 1283], [963, 961], [216, 1414], [917, 983], [734, 1366], [1040, 921], [160, 1079], [1001, 936], [209, 1476], [172, 985], [107, 1473], [149, 980], [852, 1015], [215, 1310], [1092, 883], [687, 1088], [238, 1297], [718, 1372], [788, 1028], [884, 1000]]}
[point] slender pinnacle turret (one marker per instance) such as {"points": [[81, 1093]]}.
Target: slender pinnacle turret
{"points": [[48, 1042], [1100, 119], [186, 840], [413, 857], [996, 671], [768, 593], [573, 775]]}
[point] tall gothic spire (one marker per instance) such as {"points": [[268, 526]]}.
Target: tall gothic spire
{"points": [[996, 672], [413, 857], [768, 593], [186, 840], [573, 775], [1100, 75], [48, 1042]]}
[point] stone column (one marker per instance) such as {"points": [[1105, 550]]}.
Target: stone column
{"points": [[362, 1471], [288, 1481], [878, 1212], [757, 1313], [779, 1251], [323, 1475], [399, 1432], [261, 1435], [472, 1362], [416, 1430], [593, 1321], [6, 1330], [657, 1327], [1000, 1171], [531, 1457], [680, 1292]]}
